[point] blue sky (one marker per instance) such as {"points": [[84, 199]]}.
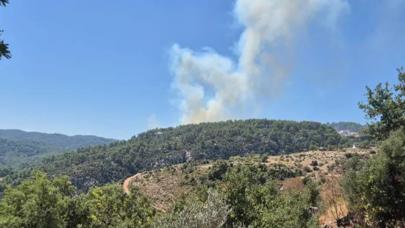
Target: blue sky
{"points": [[96, 67]]}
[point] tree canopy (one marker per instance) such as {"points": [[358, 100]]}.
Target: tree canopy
{"points": [[385, 107], [375, 189], [18, 147], [43, 202]]}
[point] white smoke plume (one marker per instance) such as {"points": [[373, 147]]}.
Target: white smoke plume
{"points": [[213, 87]]}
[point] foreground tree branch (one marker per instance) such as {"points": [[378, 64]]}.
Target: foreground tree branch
{"points": [[4, 50]]}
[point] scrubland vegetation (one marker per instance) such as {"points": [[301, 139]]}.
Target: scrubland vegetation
{"points": [[274, 188], [243, 173], [332, 188]]}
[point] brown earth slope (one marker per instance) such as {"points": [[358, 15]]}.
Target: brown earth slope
{"points": [[165, 186]]}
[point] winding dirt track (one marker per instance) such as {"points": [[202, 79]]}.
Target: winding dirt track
{"points": [[127, 183]]}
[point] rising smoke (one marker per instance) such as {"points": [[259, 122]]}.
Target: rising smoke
{"points": [[213, 87]]}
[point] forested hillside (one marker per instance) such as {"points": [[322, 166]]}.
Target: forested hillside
{"points": [[13, 153], [54, 141], [18, 147], [162, 147]]}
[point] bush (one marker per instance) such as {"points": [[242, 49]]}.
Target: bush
{"points": [[313, 148], [110, 206], [314, 163], [218, 170], [44, 202], [331, 167], [194, 213], [376, 189], [348, 155], [256, 200], [39, 202], [307, 169]]}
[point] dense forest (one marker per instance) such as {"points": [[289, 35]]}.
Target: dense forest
{"points": [[13, 153], [19, 147], [55, 141], [162, 147]]}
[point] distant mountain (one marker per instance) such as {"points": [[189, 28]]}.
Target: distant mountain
{"points": [[18, 147]]}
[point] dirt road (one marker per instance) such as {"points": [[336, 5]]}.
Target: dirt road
{"points": [[127, 183]]}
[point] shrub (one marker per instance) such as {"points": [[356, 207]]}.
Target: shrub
{"points": [[256, 200], [348, 155], [53, 202], [331, 167], [38, 202], [211, 213], [109, 206], [314, 163], [264, 158], [376, 189], [218, 170], [307, 169]]}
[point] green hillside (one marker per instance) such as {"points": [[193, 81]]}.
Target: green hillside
{"points": [[163, 147], [18, 147]]}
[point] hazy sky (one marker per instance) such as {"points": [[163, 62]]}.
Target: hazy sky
{"points": [[111, 68]]}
